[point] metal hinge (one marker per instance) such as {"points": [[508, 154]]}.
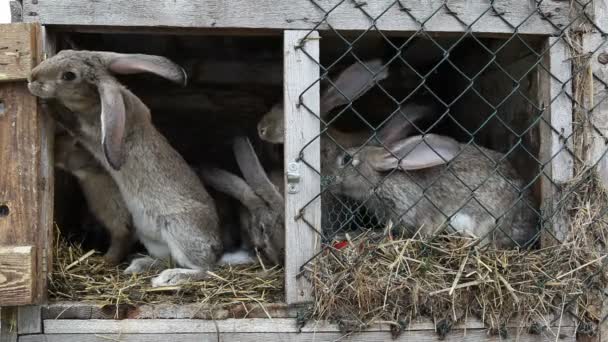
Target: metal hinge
{"points": [[293, 177]]}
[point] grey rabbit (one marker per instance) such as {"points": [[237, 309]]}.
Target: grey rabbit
{"points": [[173, 214], [406, 180], [262, 214], [351, 83], [101, 194]]}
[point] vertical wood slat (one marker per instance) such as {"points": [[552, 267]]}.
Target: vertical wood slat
{"points": [[596, 101], [26, 174], [555, 152], [301, 127]]}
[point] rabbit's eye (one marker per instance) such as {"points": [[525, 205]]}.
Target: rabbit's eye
{"points": [[68, 76], [346, 158]]}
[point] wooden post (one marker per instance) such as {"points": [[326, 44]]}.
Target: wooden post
{"points": [[301, 71], [555, 151], [596, 101], [26, 177]]}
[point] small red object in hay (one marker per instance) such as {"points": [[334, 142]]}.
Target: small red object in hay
{"points": [[341, 244]]}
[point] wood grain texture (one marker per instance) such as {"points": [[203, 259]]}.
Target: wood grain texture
{"points": [[16, 275], [556, 137], [78, 310], [304, 15], [596, 129], [18, 50], [302, 216], [250, 325], [565, 335], [25, 176], [29, 319]]}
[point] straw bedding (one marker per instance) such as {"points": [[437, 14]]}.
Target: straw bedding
{"points": [[377, 277], [80, 275]]}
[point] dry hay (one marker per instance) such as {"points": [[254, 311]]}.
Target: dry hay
{"points": [[80, 275], [379, 278]]}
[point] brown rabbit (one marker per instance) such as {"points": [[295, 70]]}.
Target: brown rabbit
{"points": [[478, 194], [262, 216], [101, 193], [173, 215]]}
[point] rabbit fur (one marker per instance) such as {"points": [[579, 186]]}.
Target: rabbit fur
{"points": [[262, 211], [101, 194], [173, 214], [403, 177]]}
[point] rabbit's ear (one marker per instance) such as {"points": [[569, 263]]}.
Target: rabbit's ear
{"points": [[414, 153], [231, 185], [401, 124], [353, 82], [112, 122], [138, 63], [254, 172]]}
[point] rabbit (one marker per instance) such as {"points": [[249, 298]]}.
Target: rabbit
{"points": [[350, 84], [262, 214], [173, 215], [476, 193], [101, 193]]}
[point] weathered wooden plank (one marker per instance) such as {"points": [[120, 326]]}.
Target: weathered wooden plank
{"points": [[564, 335], [555, 151], [18, 54], [596, 127], [8, 324], [16, 275], [78, 310], [485, 16], [29, 319], [301, 127], [16, 11], [25, 183], [248, 325]]}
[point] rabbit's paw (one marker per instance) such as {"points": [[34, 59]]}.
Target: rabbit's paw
{"points": [[141, 265], [176, 276]]}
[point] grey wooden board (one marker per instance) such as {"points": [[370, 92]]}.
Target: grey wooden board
{"points": [[29, 319], [252, 325], [302, 208], [78, 310], [566, 334], [304, 15]]}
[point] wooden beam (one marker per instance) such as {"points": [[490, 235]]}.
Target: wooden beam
{"points": [[301, 69], [17, 54], [79, 310], [565, 335], [556, 150], [29, 319], [26, 175], [595, 148], [405, 15], [248, 325], [17, 275]]}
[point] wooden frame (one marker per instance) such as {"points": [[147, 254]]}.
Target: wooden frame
{"points": [[304, 15], [35, 323], [301, 127], [26, 176], [74, 322]]}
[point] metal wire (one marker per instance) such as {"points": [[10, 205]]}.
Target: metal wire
{"points": [[343, 214]]}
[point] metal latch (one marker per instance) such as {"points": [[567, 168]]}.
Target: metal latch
{"points": [[293, 177]]}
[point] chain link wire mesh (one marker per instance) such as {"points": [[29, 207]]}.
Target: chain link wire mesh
{"points": [[499, 96]]}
